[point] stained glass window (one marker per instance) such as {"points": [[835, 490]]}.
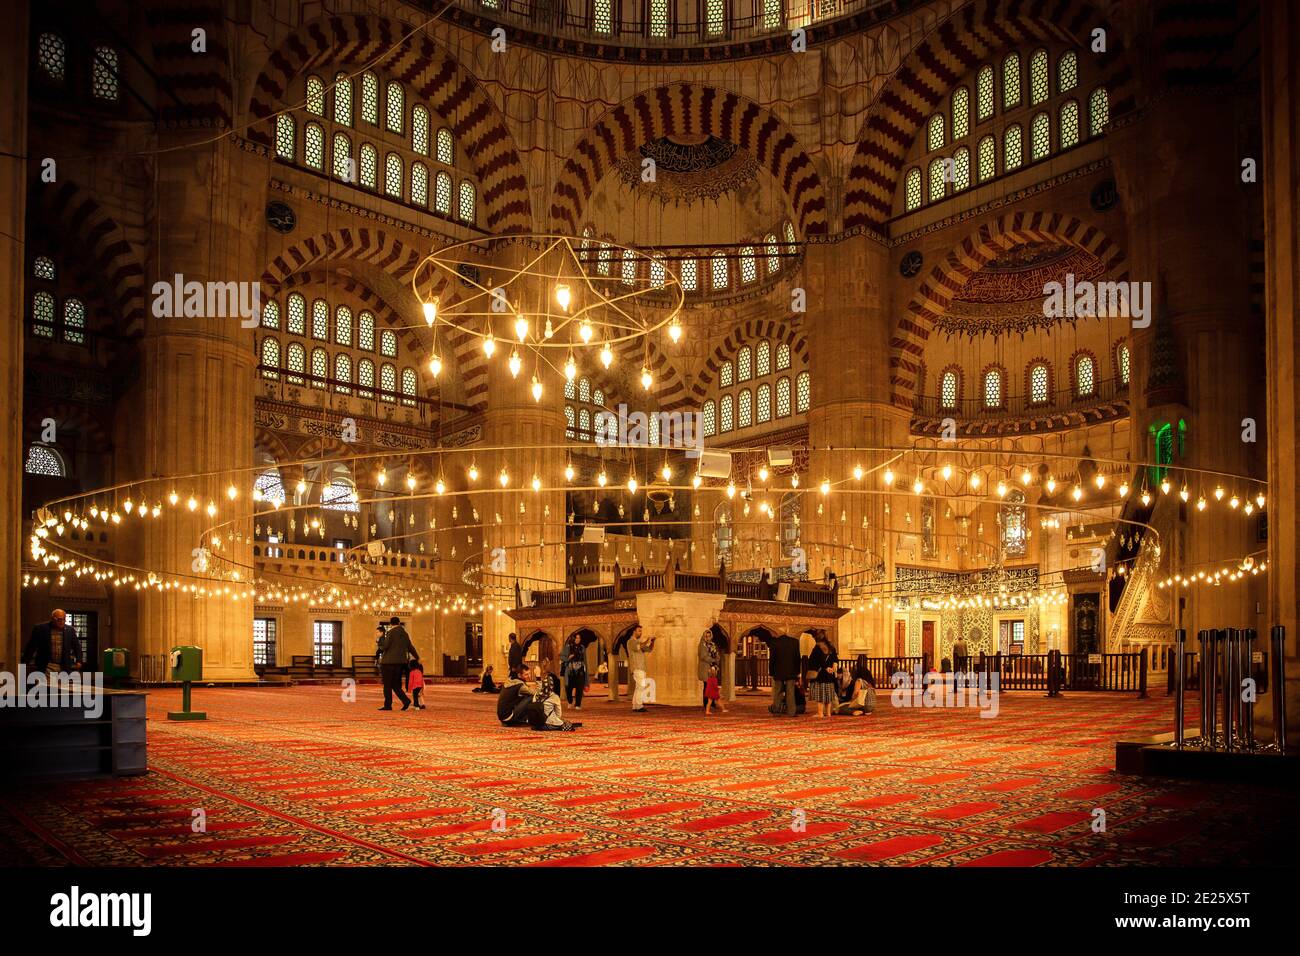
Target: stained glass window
{"points": [[782, 356], [396, 106], [270, 357], [43, 268], [726, 375], [343, 326], [342, 372], [343, 158], [393, 175], [603, 259], [936, 179], [366, 378], [658, 277], [388, 343], [993, 388], [442, 193], [103, 73], [984, 93], [789, 232], [74, 321], [710, 419], [658, 18], [803, 392], [320, 320], [1067, 72], [1098, 111], [745, 418], [570, 388], [744, 364], [43, 460], [1069, 124], [1038, 384], [271, 315], [369, 166], [315, 96], [1011, 81], [773, 254], [948, 391], [271, 487], [388, 383], [961, 169], [765, 402], [52, 55], [419, 184], [584, 425], [320, 368], [420, 130], [296, 361], [960, 112], [782, 397], [727, 413], [342, 99], [1040, 136], [1084, 380], [43, 314], [1122, 356], [313, 153], [602, 16], [370, 98], [912, 189], [988, 164], [284, 137], [715, 16], [773, 14], [689, 280], [339, 495], [467, 196], [1013, 150], [584, 389], [570, 421], [721, 278], [934, 138], [748, 265], [1039, 78], [366, 331], [297, 314], [629, 269], [763, 358], [446, 147]]}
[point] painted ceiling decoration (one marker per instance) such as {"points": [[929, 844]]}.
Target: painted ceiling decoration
{"points": [[689, 169]]}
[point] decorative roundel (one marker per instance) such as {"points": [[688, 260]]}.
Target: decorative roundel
{"points": [[280, 217], [1105, 196], [911, 264]]}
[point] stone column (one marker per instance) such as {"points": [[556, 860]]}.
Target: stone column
{"points": [[1280, 166], [194, 401], [13, 255]]}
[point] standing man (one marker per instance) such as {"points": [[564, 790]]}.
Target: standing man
{"points": [[784, 664], [637, 649], [395, 648], [516, 655], [959, 653], [53, 646]]}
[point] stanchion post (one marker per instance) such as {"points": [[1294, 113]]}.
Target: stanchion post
{"points": [[1277, 681], [1229, 687], [1180, 682], [1247, 659]]}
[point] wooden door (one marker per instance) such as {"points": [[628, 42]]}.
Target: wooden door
{"points": [[927, 642], [900, 638]]}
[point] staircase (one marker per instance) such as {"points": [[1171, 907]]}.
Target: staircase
{"points": [[1130, 594]]}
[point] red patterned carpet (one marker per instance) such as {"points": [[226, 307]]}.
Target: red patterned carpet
{"points": [[298, 777]]}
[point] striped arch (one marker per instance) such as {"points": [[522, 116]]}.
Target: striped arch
{"points": [[102, 246], [69, 418], [629, 356], [432, 75], [751, 331], [194, 88], [932, 299], [975, 34], [688, 108], [393, 257]]}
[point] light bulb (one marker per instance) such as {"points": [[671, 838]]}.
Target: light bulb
{"points": [[667, 472], [504, 478], [1249, 509], [1123, 489], [439, 486], [696, 481], [410, 482], [1234, 501], [762, 473], [563, 296], [521, 327], [157, 510], [646, 378], [473, 472], [826, 486], [381, 478], [794, 481], [232, 492], [974, 479], [1146, 498], [537, 483], [489, 346], [570, 368], [1051, 485], [675, 331], [192, 503], [631, 484], [585, 332], [537, 389], [431, 311], [1218, 493], [301, 487], [516, 363], [1026, 477], [129, 505], [1002, 489], [731, 489], [946, 471], [435, 365], [173, 498], [1164, 487], [601, 479], [606, 355], [1184, 494], [212, 510], [1259, 499], [1077, 493], [568, 472], [918, 486]]}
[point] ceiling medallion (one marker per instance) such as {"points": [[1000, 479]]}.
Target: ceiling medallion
{"points": [[910, 264], [688, 169], [280, 216]]}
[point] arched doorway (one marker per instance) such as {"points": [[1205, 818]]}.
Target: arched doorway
{"points": [[752, 658], [547, 652]]}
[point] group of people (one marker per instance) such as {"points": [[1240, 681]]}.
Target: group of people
{"points": [[794, 681], [399, 664]]}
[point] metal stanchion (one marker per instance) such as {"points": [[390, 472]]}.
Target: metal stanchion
{"points": [[1247, 722], [1230, 694], [1278, 686], [1209, 688], [1180, 682]]}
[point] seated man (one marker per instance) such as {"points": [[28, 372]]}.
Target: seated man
{"points": [[514, 700]]}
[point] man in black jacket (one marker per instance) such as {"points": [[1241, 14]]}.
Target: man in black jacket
{"points": [[395, 649], [53, 642], [784, 666]]}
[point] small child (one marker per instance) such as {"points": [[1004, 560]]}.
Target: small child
{"points": [[712, 693], [415, 682]]}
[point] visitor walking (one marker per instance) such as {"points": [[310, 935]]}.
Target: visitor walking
{"points": [[783, 664], [637, 648], [415, 683], [53, 645], [713, 693], [516, 654], [573, 664], [395, 649], [821, 675], [707, 660]]}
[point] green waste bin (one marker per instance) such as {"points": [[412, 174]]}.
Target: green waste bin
{"points": [[117, 664], [187, 666]]}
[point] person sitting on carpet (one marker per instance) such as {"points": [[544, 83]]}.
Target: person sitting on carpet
{"points": [[545, 713], [513, 702], [863, 699], [486, 685]]}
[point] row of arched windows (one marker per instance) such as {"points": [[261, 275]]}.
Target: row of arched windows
{"points": [[339, 377], [357, 333], [757, 406], [578, 420], [714, 272], [1038, 380], [753, 362], [54, 317], [1056, 126], [105, 66]]}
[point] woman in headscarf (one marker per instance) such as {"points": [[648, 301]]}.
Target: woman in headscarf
{"points": [[821, 676], [706, 659]]}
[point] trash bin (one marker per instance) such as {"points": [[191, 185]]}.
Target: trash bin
{"points": [[187, 663], [116, 665]]}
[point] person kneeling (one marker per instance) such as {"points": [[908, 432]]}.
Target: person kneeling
{"points": [[862, 700]]}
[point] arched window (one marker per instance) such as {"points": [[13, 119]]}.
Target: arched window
{"points": [[936, 179], [1122, 363], [44, 460], [961, 169], [602, 16], [342, 373], [803, 392], [368, 167], [690, 275], [658, 276], [984, 93], [1098, 111], [419, 184], [297, 314], [570, 389], [1069, 124], [721, 278], [420, 130], [366, 332], [396, 106], [370, 98], [270, 486], [748, 265], [584, 390], [629, 269], [343, 326], [339, 495], [993, 388], [782, 356], [789, 233], [1011, 81], [103, 74], [1039, 78], [285, 133], [315, 96], [43, 268], [343, 158], [570, 421], [603, 259], [710, 415], [727, 413], [658, 20], [1012, 515], [270, 357], [723, 525], [442, 193], [1013, 148], [948, 390], [912, 189], [388, 383], [52, 55], [1085, 379], [313, 152], [320, 320], [1038, 384], [763, 358], [960, 112], [934, 133], [744, 364], [1040, 136], [43, 314], [467, 196], [388, 343], [765, 402], [782, 397], [986, 153], [320, 368], [366, 378], [74, 321], [342, 99], [446, 147], [772, 253], [584, 425], [745, 409], [296, 361], [271, 315], [726, 375], [393, 175], [597, 397], [1067, 72]]}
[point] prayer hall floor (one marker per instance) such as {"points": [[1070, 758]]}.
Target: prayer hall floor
{"points": [[298, 777]]}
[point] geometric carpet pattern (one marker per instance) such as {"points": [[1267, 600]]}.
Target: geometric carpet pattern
{"points": [[299, 777]]}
